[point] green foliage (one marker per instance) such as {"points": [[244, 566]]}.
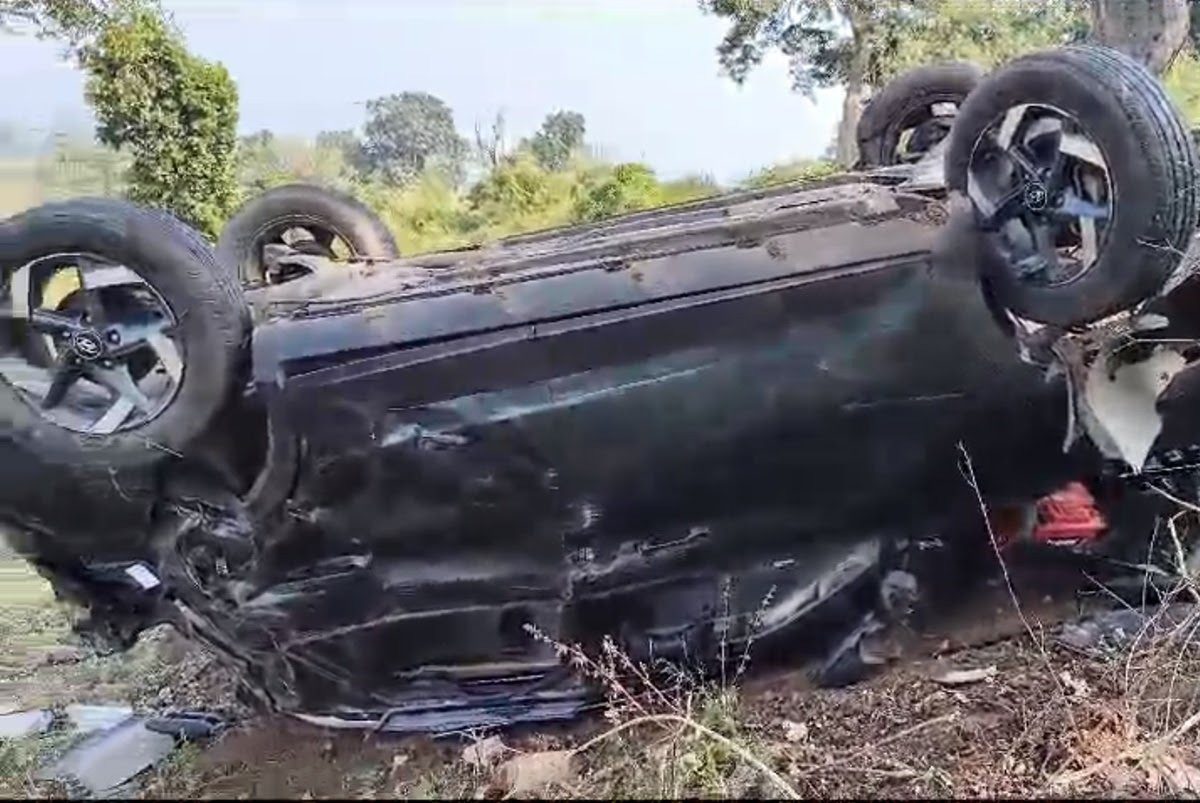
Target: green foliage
{"points": [[1182, 81], [827, 40], [518, 186], [689, 188], [427, 214], [175, 114], [800, 170], [986, 33], [266, 161], [409, 133], [561, 135], [72, 21], [631, 186]]}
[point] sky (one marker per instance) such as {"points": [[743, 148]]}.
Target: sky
{"points": [[644, 73]]}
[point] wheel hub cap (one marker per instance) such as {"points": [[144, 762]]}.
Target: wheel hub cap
{"points": [[87, 345], [1036, 196]]}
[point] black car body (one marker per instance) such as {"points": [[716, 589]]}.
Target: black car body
{"points": [[682, 429]]}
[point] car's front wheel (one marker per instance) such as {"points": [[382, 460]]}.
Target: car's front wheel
{"points": [[120, 339]]}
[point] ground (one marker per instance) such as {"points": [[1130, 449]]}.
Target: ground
{"points": [[1034, 719]]}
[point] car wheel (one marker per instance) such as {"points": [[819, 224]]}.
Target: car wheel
{"points": [[1083, 180], [121, 339], [311, 220], [913, 113]]}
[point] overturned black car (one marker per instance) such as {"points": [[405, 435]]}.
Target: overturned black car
{"points": [[371, 482]]}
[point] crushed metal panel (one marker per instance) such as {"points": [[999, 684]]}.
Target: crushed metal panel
{"points": [[1118, 405]]}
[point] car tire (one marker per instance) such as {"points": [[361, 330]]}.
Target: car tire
{"points": [[904, 101], [240, 247], [1149, 161], [211, 328]]}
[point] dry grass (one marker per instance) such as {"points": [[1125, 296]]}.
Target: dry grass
{"points": [[1049, 721]]}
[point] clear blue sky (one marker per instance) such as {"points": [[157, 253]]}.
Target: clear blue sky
{"points": [[643, 72]]}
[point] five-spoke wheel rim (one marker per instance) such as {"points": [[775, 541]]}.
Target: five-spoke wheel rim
{"points": [[921, 131], [91, 345], [304, 236], [1043, 187]]}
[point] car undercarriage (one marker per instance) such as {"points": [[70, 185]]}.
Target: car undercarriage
{"points": [[772, 418]]}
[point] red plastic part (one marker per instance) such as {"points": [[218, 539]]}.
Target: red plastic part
{"points": [[1069, 514]]}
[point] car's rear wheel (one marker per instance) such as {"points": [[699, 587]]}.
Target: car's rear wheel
{"points": [[1083, 179], [310, 220], [120, 339], [913, 113]]}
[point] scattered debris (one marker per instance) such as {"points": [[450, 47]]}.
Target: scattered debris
{"points": [[1106, 631], [20, 724], [104, 761], [1078, 687], [85, 719], [189, 726], [1118, 403], [962, 677], [532, 772], [794, 731], [64, 654], [484, 753]]}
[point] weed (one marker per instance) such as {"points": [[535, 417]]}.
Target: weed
{"points": [[672, 731]]}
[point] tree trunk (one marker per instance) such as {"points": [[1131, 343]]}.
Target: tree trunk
{"points": [[1151, 31], [847, 139], [856, 71]]}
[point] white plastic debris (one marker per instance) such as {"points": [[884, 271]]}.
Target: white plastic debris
{"points": [[485, 752], [104, 761], [962, 677], [1118, 406], [85, 719], [22, 724]]}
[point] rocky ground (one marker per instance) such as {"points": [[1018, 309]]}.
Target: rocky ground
{"points": [[987, 703]]}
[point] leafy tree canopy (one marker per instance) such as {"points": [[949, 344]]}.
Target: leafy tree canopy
{"points": [[560, 135], [175, 114], [409, 132]]}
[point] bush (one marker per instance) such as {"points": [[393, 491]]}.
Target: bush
{"points": [[175, 114], [631, 186], [800, 170]]}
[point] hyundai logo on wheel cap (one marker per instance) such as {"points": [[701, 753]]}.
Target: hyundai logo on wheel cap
{"points": [[1035, 197], [87, 345]]}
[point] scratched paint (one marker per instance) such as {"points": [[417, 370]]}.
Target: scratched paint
{"points": [[683, 429]]}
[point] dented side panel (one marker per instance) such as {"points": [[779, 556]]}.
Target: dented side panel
{"points": [[655, 474]]}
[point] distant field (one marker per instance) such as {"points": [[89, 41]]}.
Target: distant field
{"points": [[19, 186]]}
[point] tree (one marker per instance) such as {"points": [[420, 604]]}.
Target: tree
{"points": [[491, 148], [409, 133], [72, 21], [560, 135], [863, 43], [827, 41], [988, 34], [1151, 31], [174, 113]]}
